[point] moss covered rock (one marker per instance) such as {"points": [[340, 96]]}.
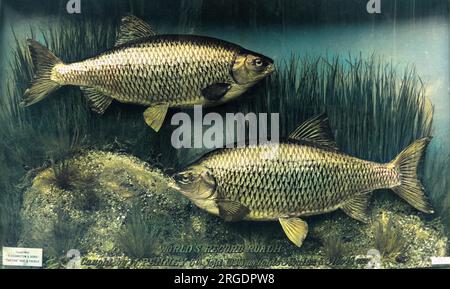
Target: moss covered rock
{"points": [[119, 213], [88, 209]]}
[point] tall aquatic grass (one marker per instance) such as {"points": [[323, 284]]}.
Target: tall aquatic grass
{"points": [[436, 179], [375, 112]]}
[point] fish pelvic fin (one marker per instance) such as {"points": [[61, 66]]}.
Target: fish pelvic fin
{"points": [[216, 91], [411, 189], [232, 211], [295, 228], [43, 63]]}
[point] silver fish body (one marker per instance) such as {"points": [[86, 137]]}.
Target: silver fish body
{"points": [[305, 176], [158, 71], [290, 179], [161, 68]]}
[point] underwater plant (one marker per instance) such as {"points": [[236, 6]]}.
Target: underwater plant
{"points": [[389, 111], [66, 236], [65, 175], [388, 238], [334, 249], [141, 234], [437, 165], [68, 176], [10, 225]]}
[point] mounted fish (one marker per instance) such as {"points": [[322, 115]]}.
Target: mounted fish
{"points": [[303, 177], [158, 71]]}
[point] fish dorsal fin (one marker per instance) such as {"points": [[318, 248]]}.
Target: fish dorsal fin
{"points": [[132, 28], [232, 211], [96, 100], [357, 207], [316, 130], [296, 229]]}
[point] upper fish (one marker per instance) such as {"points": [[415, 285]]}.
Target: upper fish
{"points": [[157, 71]]}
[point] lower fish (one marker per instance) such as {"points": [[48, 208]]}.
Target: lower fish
{"points": [[305, 176]]}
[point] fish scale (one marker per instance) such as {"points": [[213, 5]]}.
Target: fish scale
{"points": [[299, 180], [182, 65]]}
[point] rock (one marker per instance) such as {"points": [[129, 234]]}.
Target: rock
{"points": [[92, 206]]}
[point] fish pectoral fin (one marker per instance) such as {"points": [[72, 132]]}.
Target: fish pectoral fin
{"points": [[295, 228], [96, 100], [316, 130], [216, 91], [154, 116], [357, 207], [232, 211], [133, 28]]}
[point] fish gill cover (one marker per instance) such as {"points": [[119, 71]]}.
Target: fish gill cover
{"points": [[375, 111]]}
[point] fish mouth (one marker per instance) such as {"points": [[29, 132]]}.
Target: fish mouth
{"points": [[173, 185], [270, 69]]}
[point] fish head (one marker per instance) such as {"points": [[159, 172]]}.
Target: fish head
{"points": [[198, 184], [250, 67]]}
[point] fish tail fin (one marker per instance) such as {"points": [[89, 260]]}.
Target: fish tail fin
{"points": [[42, 85], [410, 188]]}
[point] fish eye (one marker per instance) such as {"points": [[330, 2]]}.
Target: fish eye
{"points": [[185, 178], [258, 62], [192, 177]]}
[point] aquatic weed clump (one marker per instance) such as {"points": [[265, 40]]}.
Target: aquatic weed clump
{"points": [[63, 234], [65, 175], [33, 136], [66, 235], [141, 235], [82, 185], [334, 249], [388, 238]]}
